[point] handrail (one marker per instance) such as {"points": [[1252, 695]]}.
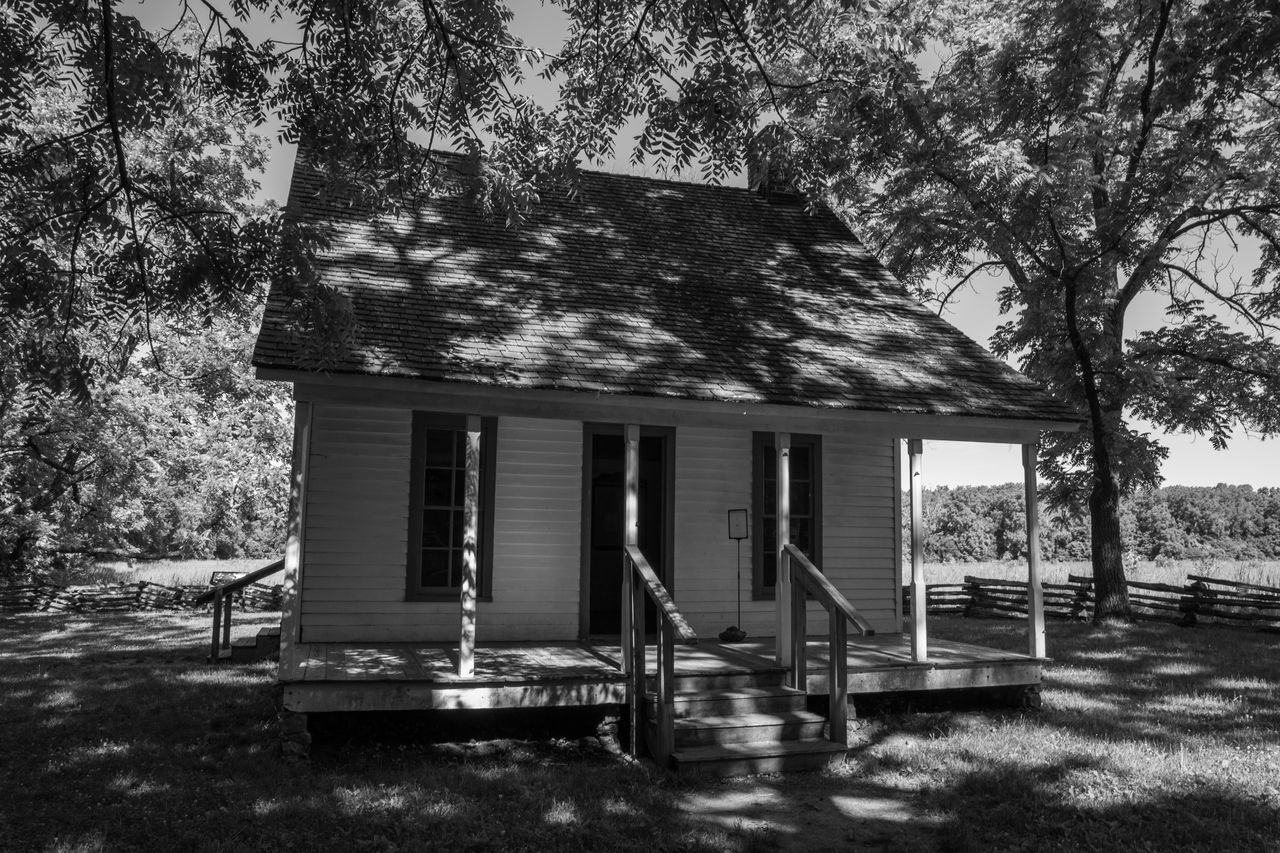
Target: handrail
{"points": [[220, 645], [820, 587], [241, 582], [661, 598], [672, 627], [805, 578]]}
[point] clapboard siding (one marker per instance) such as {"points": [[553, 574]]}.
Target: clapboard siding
{"points": [[357, 527], [357, 522], [713, 476], [859, 525]]}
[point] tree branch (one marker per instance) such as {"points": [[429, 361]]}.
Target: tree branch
{"points": [[1144, 100], [1259, 326], [945, 299], [1180, 352]]}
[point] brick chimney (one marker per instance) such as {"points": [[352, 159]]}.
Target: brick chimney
{"points": [[773, 181]]}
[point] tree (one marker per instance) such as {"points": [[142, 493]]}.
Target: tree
{"points": [[1097, 154], [1092, 151], [126, 163], [88, 283]]}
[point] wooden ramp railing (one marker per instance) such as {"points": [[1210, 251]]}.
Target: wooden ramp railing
{"points": [[221, 595], [806, 580], [672, 629]]}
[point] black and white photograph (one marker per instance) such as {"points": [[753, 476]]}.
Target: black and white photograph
{"points": [[719, 426]]}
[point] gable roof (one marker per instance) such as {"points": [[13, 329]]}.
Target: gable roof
{"points": [[639, 287]]}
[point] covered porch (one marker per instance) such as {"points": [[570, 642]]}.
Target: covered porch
{"points": [[657, 666]]}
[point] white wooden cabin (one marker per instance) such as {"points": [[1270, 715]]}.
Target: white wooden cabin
{"points": [[508, 439]]}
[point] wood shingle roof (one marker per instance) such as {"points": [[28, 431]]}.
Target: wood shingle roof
{"points": [[639, 287]]}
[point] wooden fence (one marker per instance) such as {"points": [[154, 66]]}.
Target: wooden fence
{"points": [[40, 596], [1200, 600]]}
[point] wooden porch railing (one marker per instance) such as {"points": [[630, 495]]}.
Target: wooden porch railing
{"points": [[807, 580], [672, 629], [221, 595]]}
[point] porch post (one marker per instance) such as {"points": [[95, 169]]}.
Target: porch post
{"points": [[470, 535], [630, 531], [1035, 592], [295, 529], [782, 582], [919, 593]]}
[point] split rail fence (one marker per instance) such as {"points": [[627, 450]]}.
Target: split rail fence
{"points": [[1200, 600], [39, 596]]}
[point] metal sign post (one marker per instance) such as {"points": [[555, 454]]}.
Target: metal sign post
{"points": [[737, 531]]}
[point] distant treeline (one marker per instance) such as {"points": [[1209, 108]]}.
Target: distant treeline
{"points": [[975, 523]]}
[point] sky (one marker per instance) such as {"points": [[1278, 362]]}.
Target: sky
{"points": [[1192, 460]]}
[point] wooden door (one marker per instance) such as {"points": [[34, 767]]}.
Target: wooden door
{"points": [[603, 511]]}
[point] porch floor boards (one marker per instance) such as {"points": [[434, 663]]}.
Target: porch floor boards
{"points": [[502, 663], [438, 662]]}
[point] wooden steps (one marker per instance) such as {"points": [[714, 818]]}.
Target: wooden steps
{"points": [[740, 759], [749, 728], [265, 644], [741, 721]]}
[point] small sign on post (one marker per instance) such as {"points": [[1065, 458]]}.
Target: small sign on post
{"points": [[738, 528]]}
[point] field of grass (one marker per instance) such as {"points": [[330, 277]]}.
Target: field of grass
{"points": [[117, 736], [179, 572]]}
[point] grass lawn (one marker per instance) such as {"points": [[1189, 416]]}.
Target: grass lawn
{"points": [[116, 735]]}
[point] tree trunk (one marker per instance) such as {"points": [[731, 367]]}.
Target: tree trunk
{"points": [[1112, 595]]}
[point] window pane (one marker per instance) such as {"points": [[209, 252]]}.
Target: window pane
{"points": [[801, 461], [436, 485], [443, 451], [769, 564], [801, 498], [436, 524], [802, 535], [435, 567], [439, 448]]}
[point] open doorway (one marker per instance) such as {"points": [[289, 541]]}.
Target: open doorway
{"points": [[603, 514]]}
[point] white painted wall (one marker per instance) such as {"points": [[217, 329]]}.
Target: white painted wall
{"points": [[357, 522], [713, 476], [357, 528]]}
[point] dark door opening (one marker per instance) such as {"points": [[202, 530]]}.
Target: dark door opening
{"points": [[604, 518]]}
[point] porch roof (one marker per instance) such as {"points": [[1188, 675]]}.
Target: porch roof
{"points": [[636, 287]]}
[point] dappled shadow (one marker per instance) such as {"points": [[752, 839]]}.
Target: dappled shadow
{"points": [[1151, 682], [646, 288], [1151, 738], [1008, 808], [117, 735]]}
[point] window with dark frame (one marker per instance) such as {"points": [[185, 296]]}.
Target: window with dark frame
{"points": [[437, 503], [806, 506]]}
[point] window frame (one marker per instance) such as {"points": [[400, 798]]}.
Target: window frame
{"points": [[422, 422], [760, 443]]}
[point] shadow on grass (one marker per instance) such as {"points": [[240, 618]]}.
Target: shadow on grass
{"points": [[119, 736], [1151, 682], [1151, 738]]}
